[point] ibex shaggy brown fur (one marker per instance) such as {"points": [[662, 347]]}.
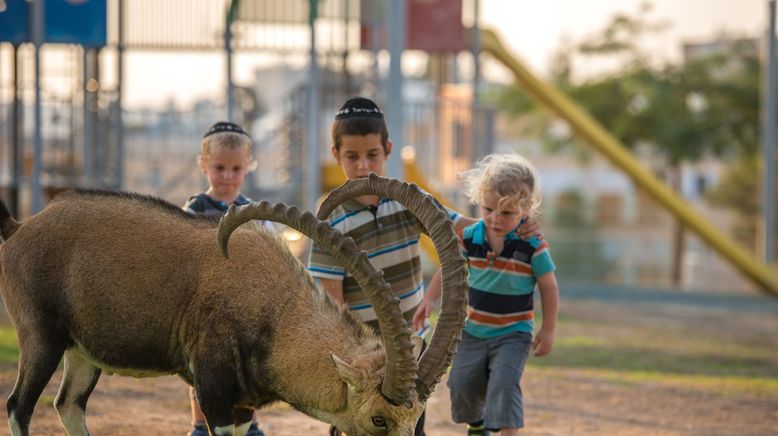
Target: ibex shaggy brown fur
{"points": [[129, 284]]}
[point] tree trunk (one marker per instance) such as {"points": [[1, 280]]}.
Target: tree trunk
{"points": [[679, 233]]}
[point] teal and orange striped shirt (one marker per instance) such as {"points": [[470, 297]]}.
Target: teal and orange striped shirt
{"points": [[500, 298]]}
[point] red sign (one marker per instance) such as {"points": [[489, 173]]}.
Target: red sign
{"points": [[431, 25]]}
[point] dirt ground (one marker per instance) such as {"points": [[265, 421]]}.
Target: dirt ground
{"points": [[558, 400]]}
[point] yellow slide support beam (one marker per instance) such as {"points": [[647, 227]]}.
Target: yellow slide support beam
{"points": [[588, 128]]}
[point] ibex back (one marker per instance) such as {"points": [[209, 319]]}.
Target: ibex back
{"points": [[129, 284]]}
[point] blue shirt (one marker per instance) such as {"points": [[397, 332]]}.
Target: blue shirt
{"points": [[202, 204]]}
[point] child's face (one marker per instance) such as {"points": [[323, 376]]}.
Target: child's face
{"points": [[225, 169], [361, 155], [500, 223]]}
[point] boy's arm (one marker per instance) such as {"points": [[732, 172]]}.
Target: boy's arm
{"points": [[431, 295], [529, 228], [326, 270], [333, 287], [462, 222], [549, 299]]}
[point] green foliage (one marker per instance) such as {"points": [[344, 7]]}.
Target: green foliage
{"points": [[739, 178], [739, 190], [46, 401], [577, 249], [706, 105], [9, 349], [631, 352], [643, 357]]}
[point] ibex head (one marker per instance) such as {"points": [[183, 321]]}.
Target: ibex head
{"points": [[368, 411], [385, 388]]}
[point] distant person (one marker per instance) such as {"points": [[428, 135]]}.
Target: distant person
{"points": [[497, 339], [226, 156], [382, 227]]}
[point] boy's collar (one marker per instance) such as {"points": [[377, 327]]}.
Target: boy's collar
{"points": [[240, 200], [353, 204], [479, 232]]}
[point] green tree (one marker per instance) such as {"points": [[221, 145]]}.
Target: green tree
{"points": [[738, 191], [706, 105], [577, 249]]}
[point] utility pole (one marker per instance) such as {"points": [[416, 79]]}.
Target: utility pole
{"points": [[314, 171], [768, 140], [478, 149], [396, 122], [86, 125], [228, 55], [38, 24], [17, 155], [119, 100]]}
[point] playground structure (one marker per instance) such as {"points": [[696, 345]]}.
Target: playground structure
{"points": [[598, 137], [103, 127], [604, 143]]}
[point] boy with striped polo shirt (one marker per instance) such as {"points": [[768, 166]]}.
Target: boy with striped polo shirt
{"points": [[485, 375], [382, 227]]}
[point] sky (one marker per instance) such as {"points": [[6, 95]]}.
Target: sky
{"points": [[533, 30]]}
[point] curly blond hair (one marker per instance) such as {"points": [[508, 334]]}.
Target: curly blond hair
{"points": [[509, 176]]}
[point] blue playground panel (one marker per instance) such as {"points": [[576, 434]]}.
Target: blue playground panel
{"points": [[82, 22]]}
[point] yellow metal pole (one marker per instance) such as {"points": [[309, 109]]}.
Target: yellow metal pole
{"points": [[588, 128]]}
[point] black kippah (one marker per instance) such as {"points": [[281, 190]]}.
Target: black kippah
{"points": [[359, 107], [225, 126]]}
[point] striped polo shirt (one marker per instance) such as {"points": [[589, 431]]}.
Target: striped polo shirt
{"points": [[501, 287], [390, 235]]}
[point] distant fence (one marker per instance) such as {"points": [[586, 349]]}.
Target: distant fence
{"points": [[592, 239]]}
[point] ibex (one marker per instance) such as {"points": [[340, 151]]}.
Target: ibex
{"points": [[129, 284]]}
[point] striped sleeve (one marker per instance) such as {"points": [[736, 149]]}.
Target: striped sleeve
{"points": [[453, 215], [541, 259], [322, 265]]}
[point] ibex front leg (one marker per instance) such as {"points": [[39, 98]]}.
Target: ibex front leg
{"points": [[78, 381], [242, 418], [216, 395]]}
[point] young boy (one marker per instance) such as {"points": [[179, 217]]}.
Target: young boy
{"points": [[226, 156], [486, 372], [382, 227]]}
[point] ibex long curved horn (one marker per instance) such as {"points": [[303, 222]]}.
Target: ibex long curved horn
{"points": [[435, 220], [399, 349]]}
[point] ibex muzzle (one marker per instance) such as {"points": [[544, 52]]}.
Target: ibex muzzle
{"points": [[132, 285]]}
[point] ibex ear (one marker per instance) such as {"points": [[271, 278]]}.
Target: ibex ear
{"points": [[353, 377], [418, 341]]}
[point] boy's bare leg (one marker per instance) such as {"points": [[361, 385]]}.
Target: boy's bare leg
{"points": [[197, 413]]}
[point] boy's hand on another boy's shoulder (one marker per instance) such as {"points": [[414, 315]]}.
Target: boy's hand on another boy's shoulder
{"points": [[529, 228], [543, 342]]}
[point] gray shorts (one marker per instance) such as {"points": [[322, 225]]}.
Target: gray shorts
{"points": [[484, 380]]}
